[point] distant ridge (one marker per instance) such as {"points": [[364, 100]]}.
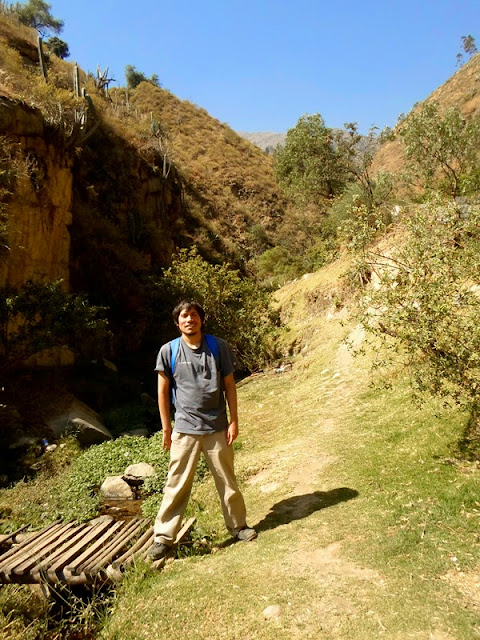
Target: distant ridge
{"points": [[265, 140]]}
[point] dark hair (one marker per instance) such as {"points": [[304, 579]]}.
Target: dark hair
{"points": [[186, 305]]}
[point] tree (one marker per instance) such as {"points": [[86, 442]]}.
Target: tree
{"points": [[36, 14], [236, 308], [135, 77], [425, 310], [307, 167], [442, 150], [58, 47], [468, 45], [44, 315], [355, 153]]}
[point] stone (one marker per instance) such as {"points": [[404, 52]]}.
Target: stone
{"points": [[135, 474], [136, 433], [115, 488], [82, 421], [271, 612], [51, 357], [88, 433]]}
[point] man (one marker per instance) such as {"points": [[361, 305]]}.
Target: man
{"points": [[199, 371]]}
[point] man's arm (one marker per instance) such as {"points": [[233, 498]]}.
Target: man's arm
{"points": [[164, 408], [231, 396]]}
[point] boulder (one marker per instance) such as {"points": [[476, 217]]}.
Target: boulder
{"points": [[115, 488], [135, 474], [83, 422]]}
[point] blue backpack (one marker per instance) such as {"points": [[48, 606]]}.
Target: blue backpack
{"points": [[212, 343]]}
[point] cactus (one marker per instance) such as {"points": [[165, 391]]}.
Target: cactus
{"points": [[41, 58], [76, 80]]}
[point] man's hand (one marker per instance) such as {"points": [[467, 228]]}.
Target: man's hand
{"points": [[167, 439], [232, 432]]}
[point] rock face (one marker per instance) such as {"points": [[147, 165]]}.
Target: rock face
{"points": [[97, 218], [40, 213]]}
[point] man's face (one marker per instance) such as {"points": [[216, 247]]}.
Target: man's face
{"points": [[189, 322]]}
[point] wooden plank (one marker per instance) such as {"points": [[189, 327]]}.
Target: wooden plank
{"points": [[75, 568], [116, 547], [29, 542], [140, 550], [17, 555], [111, 542], [50, 549], [95, 532], [83, 535], [10, 536], [128, 555]]}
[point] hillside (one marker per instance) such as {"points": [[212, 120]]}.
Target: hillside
{"points": [[367, 523], [102, 190], [227, 184], [461, 90]]}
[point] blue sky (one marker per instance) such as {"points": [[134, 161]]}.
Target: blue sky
{"points": [[260, 65]]}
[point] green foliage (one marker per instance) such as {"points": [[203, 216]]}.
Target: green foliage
{"points": [[307, 167], [277, 266], [130, 416], [36, 14], [355, 153], [58, 47], [442, 150], [427, 308], [41, 315], [236, 308], [134, 77], [77, 497], [468, 45]]}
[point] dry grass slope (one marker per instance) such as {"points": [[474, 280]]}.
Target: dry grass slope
{"points": [[461, 90], [228, 183]]}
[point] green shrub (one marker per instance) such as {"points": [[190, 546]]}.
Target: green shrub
{"points": [[236, 308], [44, 316], [78, 497]]}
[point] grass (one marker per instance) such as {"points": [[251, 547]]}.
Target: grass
{"points": [[367, 518], [368, 522]]}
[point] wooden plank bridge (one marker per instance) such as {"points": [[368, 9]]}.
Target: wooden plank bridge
{"points": [[79, 554]]}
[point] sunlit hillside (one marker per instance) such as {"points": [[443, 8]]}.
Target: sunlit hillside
{"points": [[461, 90]]}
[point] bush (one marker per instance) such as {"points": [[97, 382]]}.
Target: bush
{"points": [[426, 309], [78, 497], [44, 315], [236, 308]]}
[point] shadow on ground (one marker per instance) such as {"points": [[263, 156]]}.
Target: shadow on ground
{"points": [[298, 507]]}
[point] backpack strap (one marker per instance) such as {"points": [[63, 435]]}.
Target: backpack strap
{"points": [[212, 343], [174, 347]]}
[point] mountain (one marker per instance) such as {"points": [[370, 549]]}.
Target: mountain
{"points": [[265, 140]]}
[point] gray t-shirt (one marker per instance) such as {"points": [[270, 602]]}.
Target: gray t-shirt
{"points": [[200, 405]]}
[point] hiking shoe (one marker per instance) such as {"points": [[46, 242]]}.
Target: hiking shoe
{"points": [[158, 550], [246, 534]]}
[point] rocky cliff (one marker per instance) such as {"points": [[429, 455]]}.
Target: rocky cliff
{"points": [[40, 207]]}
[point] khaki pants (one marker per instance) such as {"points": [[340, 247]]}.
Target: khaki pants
{"points": [[184, 455]]}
